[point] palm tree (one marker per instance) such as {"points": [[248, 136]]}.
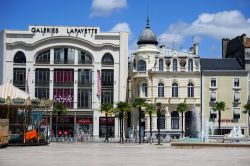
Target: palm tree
{"points": [[182, 107], [59, 109], [138, 103], [107, 108], [158, 105], [122, 109], [219, 106], [150, 109], [247, 110]]}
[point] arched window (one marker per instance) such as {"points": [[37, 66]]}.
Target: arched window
{"points": [[190, 90], [141, 66], [144, 90], [43, 58], [160, 90], [84, 58], [174, 64], [107, 59], [174, 90], [160, 64], [190, 65], [174, 120], [19, 57]]}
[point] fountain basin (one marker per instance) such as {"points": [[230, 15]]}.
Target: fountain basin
{"points": [[192, 145]]}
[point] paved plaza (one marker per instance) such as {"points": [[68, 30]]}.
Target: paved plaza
{"points": [[80, 154]]}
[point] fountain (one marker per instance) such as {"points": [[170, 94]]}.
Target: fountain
{"points": [[236, 133]]}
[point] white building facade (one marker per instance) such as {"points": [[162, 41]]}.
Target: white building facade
{"points": [[166, 76], [79, 66]]}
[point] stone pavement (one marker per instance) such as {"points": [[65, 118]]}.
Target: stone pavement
{"points": [[90, 154]]}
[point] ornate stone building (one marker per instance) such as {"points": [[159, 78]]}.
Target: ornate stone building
{"points": [[167, 76]]}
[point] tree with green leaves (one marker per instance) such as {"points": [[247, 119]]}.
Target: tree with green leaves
{"points": [[219, 106], [150, 110], [182, 107], [107, 108], [59, 109], [139, 103], [158, 106], [122, 109], [247, 110]]}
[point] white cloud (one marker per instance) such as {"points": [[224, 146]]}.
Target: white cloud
{"points": [[121, 27], [226, 24], [106, 7]]}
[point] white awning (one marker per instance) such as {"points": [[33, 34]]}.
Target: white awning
{"points": [[9, 89], [236, 96], [236, 110], [213, 95]]}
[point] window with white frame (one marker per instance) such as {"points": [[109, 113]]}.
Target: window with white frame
{"points": [[213, 83], [141, 65], [213, 96], [236, 113], [236, 96], [190, 65], [213, 114], [144, 90], [174, 64], [175, 90], [160, 90], [190, 89], [236, 82], [160, 64]]}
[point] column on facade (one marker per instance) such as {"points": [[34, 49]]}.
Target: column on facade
{"points": [[51, 85], [96, 115], [75, 88], [168, 119], [52, 56]]}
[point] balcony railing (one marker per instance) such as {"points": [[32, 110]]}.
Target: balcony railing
{"points": [[42, 61], [42, 83], [64, 61], [19, 83], [64, 84], [84, 84], [85, 62]]}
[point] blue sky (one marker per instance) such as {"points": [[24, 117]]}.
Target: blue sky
{"points": [[177, 21]]}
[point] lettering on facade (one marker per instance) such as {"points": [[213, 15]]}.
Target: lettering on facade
{"points": [[69, 31], [63, 99]]}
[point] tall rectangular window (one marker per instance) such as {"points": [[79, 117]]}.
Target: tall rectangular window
{"points": [[236, 114], [236, 96], [19, 78], [107, 86], [84, 77], [42, 79], [84, 98], [64, 77], [213, 115], [213, 83], [236, 82], [213, 96]]}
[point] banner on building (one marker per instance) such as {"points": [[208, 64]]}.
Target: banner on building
{"points": [[98, 83]]}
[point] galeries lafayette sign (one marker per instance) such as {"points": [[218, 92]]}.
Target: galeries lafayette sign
{"points": [[64, 30]]}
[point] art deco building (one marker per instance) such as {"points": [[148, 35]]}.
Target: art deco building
{"points": [[167, 76], [79, 66]]}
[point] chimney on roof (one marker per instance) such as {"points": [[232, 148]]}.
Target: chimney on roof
{"points": [[224, 46], [244, 38]]}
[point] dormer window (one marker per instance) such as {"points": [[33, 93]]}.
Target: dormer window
{"points": [[190, 65], [174, 64]]}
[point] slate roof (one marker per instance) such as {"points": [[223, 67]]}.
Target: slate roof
{"points": [[220, 64]]}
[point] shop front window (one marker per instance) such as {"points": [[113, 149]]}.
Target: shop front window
{"points": [[103, 126]]}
